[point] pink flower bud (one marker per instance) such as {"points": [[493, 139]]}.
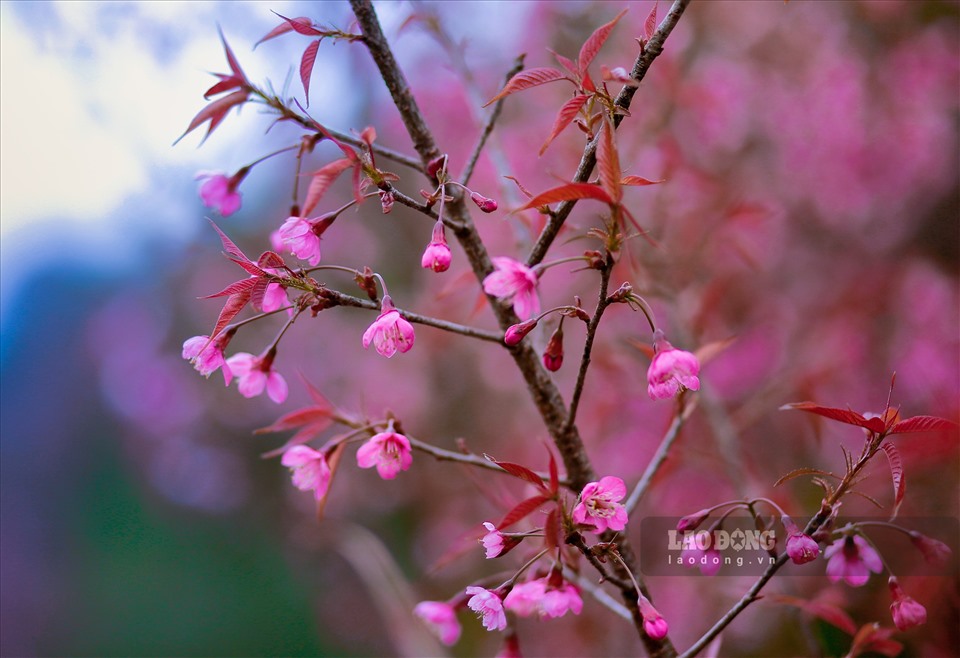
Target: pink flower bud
{"points": [[691, 521], [671, 370], [802, 548], [437, 255], [517, 332], [906, 612], [656, 627], [485, 204], [934, 552], [553, 354]]}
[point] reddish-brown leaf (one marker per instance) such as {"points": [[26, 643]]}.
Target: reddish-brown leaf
{"points": [[257, 292], [526, 80], [564, 117], [637, 180], [228, 244], [234, 305], [321, 181], [304, 26], [842, 415], [593, 44], [566, 63], [551, 529], [249, 267], [231, 59], [271, 259], [284, 27], [554, 475], [568, 192], [227, 82], [301, 417], [522, 510], [214, 113], [608, 162], [307, 61], [650, 25], [244, 285], [522, 472], [873, 638], [922, 424], [896, 472]]}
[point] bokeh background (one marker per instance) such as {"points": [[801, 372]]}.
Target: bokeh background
{"points": [[810, 211]]}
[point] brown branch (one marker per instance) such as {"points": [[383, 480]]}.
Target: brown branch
{"points": [[545, 394], [588, 161], [465, 458]]}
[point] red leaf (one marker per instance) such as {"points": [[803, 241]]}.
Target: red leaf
{"points": [[831, 614], [257, 292], [234, 305], [650, 25], [551, 529], [249, 267], [315, 394], [527, 79], [922, 424], [608, 162], [637, 180], [521, 510], [896, 471], [303, 25], [842, 415], [801, 471], [215, 113], [228, 244], [322, 179], [244, 285], [318, 415], [522, 472], [566, 63], [872, 638], [568, 192], [593, 44], [231, 60], [554, 475], [285, 27], [272, 260], [306, 67], [227, 82], [564, 117]]}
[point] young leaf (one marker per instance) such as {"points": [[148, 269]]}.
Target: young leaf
{"points": [[608, 162], [285, 27], [231, 59], [303, 26], [829, 613], [244, 285], [564, 117], [842, 415], [271, 259], [873, 638], [257, 292], [307, 61], [566, 63], [527, 79], [522, 472], [801, 471], [250, 267], [522, 510], [593, 44], [650, 25], [568, 192], [234, 305], [551, 529], [228, 244], [922, 424], [321, 181], [215, 112], [524, 191], [896, 471], [637, 180]]}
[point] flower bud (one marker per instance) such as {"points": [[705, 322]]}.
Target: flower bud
{"points": [[436, 165], [691, 521], [386, 202], [553, 354], [934, 552], [517, 332], [906, 612], [485, 204]]}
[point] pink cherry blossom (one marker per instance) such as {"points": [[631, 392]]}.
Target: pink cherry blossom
{"points": [[513, 280], [219, 192], [437, 255], [558, 601], [275, 297], [671, 370], [207, 355], [540, 598], [302, 237], [255, 374], [802, 548], [442, 620], [906, 612], [599, 505], [489, 606], [310, 469], [851, 560], [492, 541], [388, 451], [389, 333]]}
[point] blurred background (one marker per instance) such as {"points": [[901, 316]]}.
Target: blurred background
{"points": [[810, 212]]}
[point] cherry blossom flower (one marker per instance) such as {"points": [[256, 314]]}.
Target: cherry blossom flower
{"points": [[852, 560], [708, 559], [207, 355], [541, 598], [513, 280], [671, 370], [309, 468], [489, 606], [255, 374], [218, 191], [442, 620], [302, 236], [801, 548], [389, 333], [492, 541], [599, 505], [906, 612], [388, 451], [558, 601], [275, 297], [437, 255]]}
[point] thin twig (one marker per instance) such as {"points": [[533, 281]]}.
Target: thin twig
{"points": [[659, 457], [349, 300], [649, 53], [598, 593], [464, 458], [488, 126]]}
